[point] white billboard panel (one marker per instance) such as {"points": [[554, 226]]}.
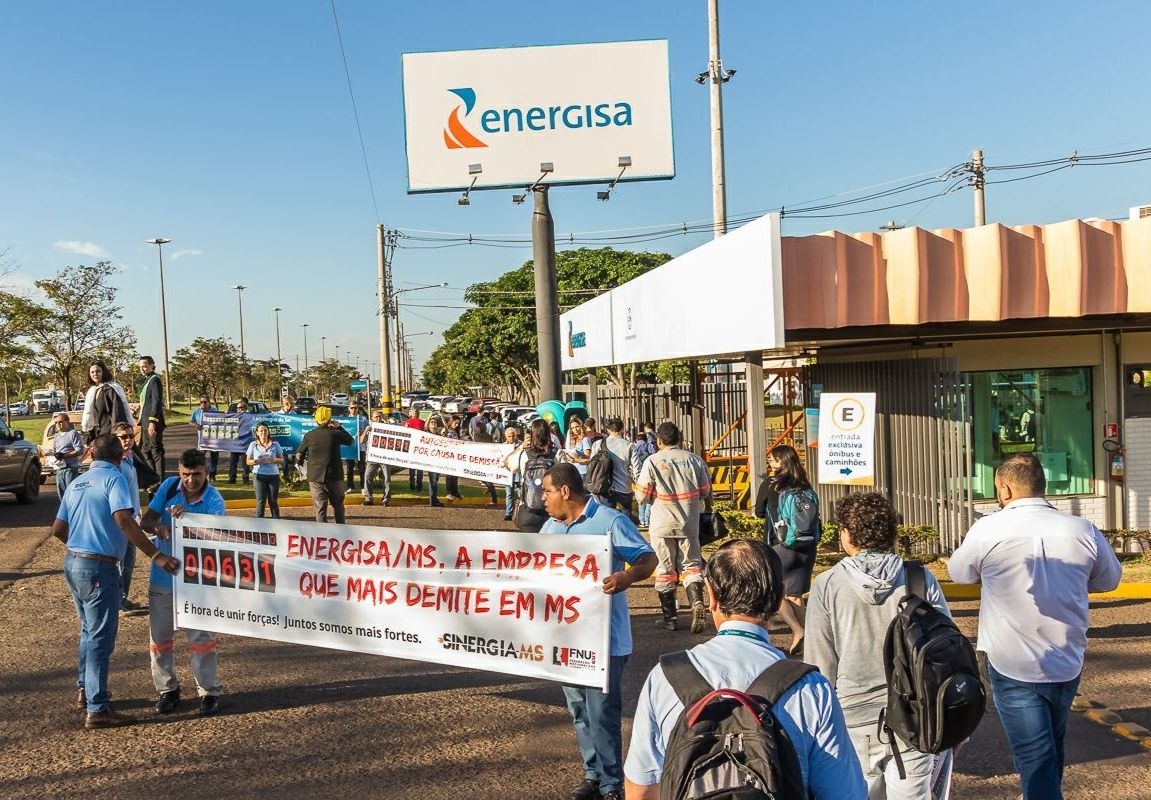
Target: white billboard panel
{"points": [[724, 297], [493, 116], [585, 333]]}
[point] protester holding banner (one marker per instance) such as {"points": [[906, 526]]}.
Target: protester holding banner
{"points": [[597, 714], [187, 492], [237, 457], [452, 482], [433, 427], [513, 462], [415, 476], [265, 456], [320, 451], [351, 464], [373, 468], [197, 422]]}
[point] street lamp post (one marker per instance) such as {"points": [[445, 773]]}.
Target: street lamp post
{"points": [[279, 358], [323, 349], [160, 241], [239, 287], [305, 327]]}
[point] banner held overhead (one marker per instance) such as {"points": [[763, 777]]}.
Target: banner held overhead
{"points": [[483, 119]]}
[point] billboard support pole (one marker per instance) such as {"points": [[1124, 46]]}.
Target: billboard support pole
{"points": [[547, 306]]}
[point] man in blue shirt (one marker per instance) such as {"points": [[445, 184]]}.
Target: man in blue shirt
{"points": [[742, 593], [597, 714], [68, 449], [94, 522], [197, 422], [187, 492]]}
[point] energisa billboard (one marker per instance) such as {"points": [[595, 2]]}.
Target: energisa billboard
{"points": [[489, 118]]}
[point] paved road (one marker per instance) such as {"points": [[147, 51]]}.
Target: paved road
{"points": [[303, 722]]}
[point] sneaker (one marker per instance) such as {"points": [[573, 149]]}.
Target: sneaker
{"points": [[130, 609], [698, 618], [507, 518], [209, 705], [667, 624], [387, 502], [587, 790], [168, 701], [436, 504], [107, 719], [614, 794], [367, 501]]}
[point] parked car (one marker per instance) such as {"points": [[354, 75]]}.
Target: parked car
{"points": [[338, 409], [407, 398], [340, 398], [19, 465], [457, 405], [516, 414], [18, 409], [79, 405], [436, 401], [305, 405], [254, 407]]}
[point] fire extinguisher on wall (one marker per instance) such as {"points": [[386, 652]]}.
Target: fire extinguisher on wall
{"points": [[1116, 459]]}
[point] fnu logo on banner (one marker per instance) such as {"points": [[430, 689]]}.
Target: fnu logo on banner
{"points": [[490, 118]]}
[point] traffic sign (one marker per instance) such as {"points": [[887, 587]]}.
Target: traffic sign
{"points": [[359, 386]]}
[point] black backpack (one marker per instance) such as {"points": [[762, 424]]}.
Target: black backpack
{"points": [[727, 744], [532, 487], [935, 697], [599, 470]]}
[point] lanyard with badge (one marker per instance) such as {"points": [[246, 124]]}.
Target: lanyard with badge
{"points": [[746, 635]]}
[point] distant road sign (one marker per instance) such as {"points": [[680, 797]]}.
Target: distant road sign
{"points": [[359, 386]]}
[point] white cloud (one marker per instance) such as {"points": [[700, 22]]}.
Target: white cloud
{"points": [[82, 248], [178, 254]]}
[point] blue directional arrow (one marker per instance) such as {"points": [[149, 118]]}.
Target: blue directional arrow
{"points": [[845, 471]]}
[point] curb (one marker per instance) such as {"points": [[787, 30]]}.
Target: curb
{"points": [[1102, 715], [354, 499], [1125, 591]]}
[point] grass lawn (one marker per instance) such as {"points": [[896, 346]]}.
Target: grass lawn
{"points": [[33, 427]]}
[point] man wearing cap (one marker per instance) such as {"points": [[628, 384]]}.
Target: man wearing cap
{"points": [[68, 449], [94, 522], [350, 464], [320, 451]]}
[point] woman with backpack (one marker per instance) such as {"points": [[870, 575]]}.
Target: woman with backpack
{"points": [[852, 605], [788, 480], [105, 404], [539, 455]]}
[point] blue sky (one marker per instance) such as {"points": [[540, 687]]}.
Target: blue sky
{"points": [[227, 127]]}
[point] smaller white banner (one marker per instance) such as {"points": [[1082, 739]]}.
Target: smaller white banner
{"points": [[499, 601], [415, 449], [847, 438]]}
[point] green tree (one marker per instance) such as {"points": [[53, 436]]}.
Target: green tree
{"points": [[78, 322], [494, 344], [207, 367]]}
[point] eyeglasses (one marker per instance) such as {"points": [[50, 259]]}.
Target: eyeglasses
{"points": [[124, 437]]}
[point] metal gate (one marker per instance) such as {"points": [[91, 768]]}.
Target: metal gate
{"points": [[922, 438]]}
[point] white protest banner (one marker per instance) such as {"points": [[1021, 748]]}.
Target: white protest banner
{"points": [[416, 449], [499, 601], [847, 438]]}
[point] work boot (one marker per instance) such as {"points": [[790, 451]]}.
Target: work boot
{"points": [[698, 609], [667, 606]]}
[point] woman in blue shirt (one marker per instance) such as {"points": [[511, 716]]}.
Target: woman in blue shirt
{"points": [[265, 458]]}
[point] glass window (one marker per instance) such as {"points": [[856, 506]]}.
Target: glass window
{"points": [[1042, 411]]}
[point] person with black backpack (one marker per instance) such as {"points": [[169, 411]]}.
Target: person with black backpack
{"points": [[849, 613], [733, 717], [538, 457], [789, 508]]}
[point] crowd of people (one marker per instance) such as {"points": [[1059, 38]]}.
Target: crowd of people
{"points": [[1035, 563]]}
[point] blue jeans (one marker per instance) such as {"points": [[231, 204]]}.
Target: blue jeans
{"points": [[510, 496], [598, 719], [95, 588], [64, 476], [267, 492], [127, 566], [1034, 717], [644, 514]]}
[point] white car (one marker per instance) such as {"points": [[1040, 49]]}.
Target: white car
{"points": [[457, 405], [339, 398], [436, 401], [515, 413], [18, 409]]}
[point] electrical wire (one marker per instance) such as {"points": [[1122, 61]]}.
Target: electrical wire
{"points": [[355, 112]]}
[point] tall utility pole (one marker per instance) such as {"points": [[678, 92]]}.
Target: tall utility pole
{"points": [[401, 383], [382, 291], [160, 241], [239, 287], [718, 78], [305, 327], [547, 306], [978, 183], [323, 349]]}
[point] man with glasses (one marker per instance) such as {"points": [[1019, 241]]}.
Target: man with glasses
{"points": [[350, 464], [152, 416], [136, 472], [597, 715], [197, 422], [372, 467]]}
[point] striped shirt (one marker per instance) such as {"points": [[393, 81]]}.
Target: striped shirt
{"points": [[675, 481]]}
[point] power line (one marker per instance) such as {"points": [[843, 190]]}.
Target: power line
{"points": [[355, 111]]}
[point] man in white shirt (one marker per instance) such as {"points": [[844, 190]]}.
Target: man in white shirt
{"points": [[1037, 566]]}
